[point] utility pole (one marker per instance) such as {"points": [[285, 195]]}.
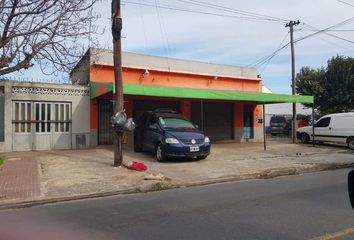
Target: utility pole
{"points": [[118, 76], [291, 25]]}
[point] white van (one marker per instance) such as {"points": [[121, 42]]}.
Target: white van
{"points": [[338, 127]]}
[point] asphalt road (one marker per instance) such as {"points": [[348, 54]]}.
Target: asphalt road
{"points": [[311, 206]]}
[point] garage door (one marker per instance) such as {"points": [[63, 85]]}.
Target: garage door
{"points": [[41, 125], [141, 106], [217, 119]]}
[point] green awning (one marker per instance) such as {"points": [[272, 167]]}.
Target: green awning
{"points": [[98, 89]]}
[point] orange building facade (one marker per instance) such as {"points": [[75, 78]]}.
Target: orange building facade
{"points": [[237, 121]]}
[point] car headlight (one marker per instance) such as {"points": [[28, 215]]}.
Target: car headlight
{"points": [[206, 140], [171, 140]]}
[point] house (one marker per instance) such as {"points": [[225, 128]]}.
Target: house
{"points": [[225, 101]]}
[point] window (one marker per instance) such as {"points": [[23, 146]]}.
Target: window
{"points": [[324, 122], [2, 114], [175, 123], [62, 117], [152, 123], [43, 117], [22, 116]]}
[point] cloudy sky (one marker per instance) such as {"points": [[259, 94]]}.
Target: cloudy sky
{"points": [[235, 39]]}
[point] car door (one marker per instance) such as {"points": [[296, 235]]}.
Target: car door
{"points": [[151, 134], [322, 129]]}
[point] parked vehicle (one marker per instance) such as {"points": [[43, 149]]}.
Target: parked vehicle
{"points": [[338, 128], [168, 134], [280, 124]]}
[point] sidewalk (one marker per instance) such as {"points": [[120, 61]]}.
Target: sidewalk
{"points": [[19, 178], [30, 178]]}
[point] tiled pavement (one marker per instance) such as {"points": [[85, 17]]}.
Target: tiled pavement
{"points": [[19, 177]]}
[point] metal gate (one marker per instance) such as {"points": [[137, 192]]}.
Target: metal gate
{"points": [[41, 125], [105, 112]]}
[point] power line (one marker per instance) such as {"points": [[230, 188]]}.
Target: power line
{"points": [[260, 62], [164, 6], [349, 20], [325, 40], [341, 30], [324, 31], [233, 10], [346, 3], [273, 55]]}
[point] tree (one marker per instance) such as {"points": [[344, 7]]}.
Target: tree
{"points": [[333, 87], [309, 82], [43, 31]]}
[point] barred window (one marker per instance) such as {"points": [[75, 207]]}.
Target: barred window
{"points": [[22, 114]]}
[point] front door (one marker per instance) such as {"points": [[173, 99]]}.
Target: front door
{"points": [[248, 123]]}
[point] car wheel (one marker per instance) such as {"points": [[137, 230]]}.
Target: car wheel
{"points": [[351, 143], [159, 154], [305, 138], [137, 146], [201, 157]]}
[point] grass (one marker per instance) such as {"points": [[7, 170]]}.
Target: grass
{"points": [[2, 160], [157, 187]]}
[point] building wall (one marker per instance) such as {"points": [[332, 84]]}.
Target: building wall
{"points": [[170, 79], [78, 96], [105, 74]]}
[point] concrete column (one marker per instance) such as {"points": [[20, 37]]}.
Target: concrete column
{"points": [[186, 109], [258, 127], [238, 121], [93, 123]]}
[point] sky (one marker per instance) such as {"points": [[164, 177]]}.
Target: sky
{"points": [[233, 40]]}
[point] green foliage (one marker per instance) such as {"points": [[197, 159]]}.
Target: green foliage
{"points": [[157, 187], [333, 87], [309, 82], [2, 160]]}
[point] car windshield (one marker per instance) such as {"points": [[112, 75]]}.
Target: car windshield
{"points": [[174, 123]]}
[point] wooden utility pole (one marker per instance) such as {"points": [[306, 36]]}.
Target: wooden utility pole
{"points": [[291, 25], [118, 76]]}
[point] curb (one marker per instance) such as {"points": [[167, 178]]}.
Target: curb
{"points": [[266, 174]]}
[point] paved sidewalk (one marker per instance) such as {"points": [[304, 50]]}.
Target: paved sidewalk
{"points": [[49, 176], [19, 177]]}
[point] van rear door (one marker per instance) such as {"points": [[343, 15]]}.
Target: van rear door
{"points": [[341, 127]]}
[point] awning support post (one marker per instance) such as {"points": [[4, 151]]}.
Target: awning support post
{"points": [[201, 115], [264, 129]]}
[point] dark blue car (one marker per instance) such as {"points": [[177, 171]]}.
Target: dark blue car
{"points": [[169, 135]]}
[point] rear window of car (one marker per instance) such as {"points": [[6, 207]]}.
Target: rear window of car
{"points": [[277, 119]]}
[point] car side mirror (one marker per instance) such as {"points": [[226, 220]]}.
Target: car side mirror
{"points": [[196, 126], [351, 187]]}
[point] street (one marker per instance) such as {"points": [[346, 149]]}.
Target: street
{"points": [[310, 206]]}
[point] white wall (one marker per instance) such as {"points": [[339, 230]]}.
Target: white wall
{"points": [[78, 96]]}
